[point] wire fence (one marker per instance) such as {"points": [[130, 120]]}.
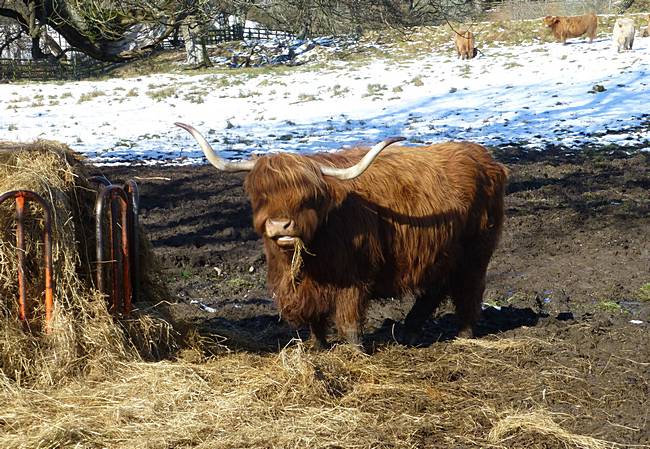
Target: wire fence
{"points": [[229, 34], [77, 66]]}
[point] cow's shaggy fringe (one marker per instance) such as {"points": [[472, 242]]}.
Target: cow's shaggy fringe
{"points": [[455, 394], [84, 337]]}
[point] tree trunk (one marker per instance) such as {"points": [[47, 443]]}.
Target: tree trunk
{"points": [[109, 38], [195, 45], [52, 45]]}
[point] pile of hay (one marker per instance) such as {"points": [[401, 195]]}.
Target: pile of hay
{"points": [[461, 394], [83, 337]]}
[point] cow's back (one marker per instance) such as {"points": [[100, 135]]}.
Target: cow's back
{"points": [[409, 218]]}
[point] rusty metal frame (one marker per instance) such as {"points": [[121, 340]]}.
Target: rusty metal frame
{"points": [[133, 195], [124, 204], [21, 197]]}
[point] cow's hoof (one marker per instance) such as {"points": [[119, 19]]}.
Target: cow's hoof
{"points": [[466, 332], [316, 344], [408, 337]]}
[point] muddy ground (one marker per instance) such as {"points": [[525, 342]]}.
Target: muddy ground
{"points": [[573, 267], [575, 251]]}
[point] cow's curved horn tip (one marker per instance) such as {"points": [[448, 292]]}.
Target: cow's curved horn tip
{"points": [[182, 125], [397, 139]]}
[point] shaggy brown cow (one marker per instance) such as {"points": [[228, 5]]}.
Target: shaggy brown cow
{"points": [[572, 26], [418, 220], [646, 31], [465, 46]]}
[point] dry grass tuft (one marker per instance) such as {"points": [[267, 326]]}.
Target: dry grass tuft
{"points": [[541, 422]]}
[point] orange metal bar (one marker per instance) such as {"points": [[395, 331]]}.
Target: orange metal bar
{"points": [[112, 240], [118, 201], [21, 196], [126, 260], [49, 267], [20, 247]]}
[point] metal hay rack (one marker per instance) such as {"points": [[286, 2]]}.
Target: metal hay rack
{"points": [[116, 228]]}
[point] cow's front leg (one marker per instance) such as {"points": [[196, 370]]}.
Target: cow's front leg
{"points": [[348, 316], [318, 333]]}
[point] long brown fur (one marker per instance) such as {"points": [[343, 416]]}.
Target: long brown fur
{"points": [[564, 27], [420, 220], [465, 46]]}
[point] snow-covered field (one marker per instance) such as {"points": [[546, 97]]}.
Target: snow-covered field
{"points": [[535, 95]]}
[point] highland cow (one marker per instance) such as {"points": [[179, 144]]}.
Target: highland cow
{"points": [[340, 229], [646, 31], [572, 26], [623, 34], [465, 46]]}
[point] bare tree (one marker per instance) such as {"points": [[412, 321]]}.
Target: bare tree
{"points": [[309, 17], [119, 30], [11, 35], [109, 30]]}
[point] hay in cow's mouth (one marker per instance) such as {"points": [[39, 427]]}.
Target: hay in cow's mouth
{"points": [[296, 259]]}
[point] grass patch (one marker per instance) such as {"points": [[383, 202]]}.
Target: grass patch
{"points": [[248, 93], [644, 292], [239, 283], [338, 91], [90, 95], [195, 97], [373, 90], [417, 81], [303, 98], [161, 94], [609, 306]]}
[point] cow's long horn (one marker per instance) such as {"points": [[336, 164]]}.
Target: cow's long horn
{"points": [[362, 165], [213, 156]]}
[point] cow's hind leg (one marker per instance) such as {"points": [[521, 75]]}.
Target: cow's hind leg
{"points": [[423, 308], [467, 295]]}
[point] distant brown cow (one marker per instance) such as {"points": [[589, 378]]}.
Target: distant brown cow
{"points": [[465, 46], [342, 228], [646, 31], [572, 26]]}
